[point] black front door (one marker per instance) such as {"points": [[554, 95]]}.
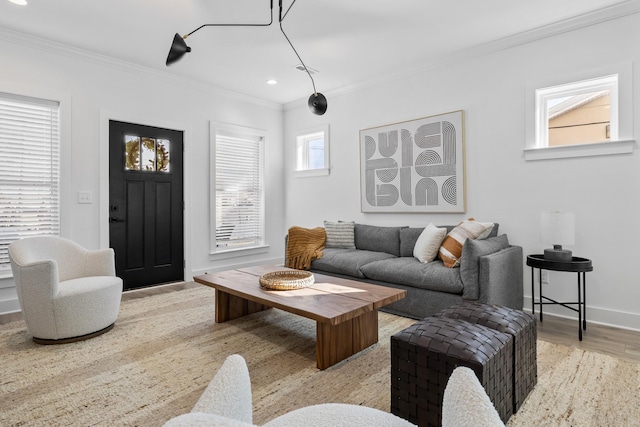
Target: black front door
{"points": [[146, 203]]}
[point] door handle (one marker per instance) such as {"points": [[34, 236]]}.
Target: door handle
{"points": [[113, 219]]}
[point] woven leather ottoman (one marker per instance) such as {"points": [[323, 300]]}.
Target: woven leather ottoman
{"points": [[424, 355], [517, 323]]}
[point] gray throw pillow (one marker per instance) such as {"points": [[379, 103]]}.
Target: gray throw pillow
{"points": [[340, 234]]}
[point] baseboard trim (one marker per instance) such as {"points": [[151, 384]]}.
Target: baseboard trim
{"points": [[235, 266], [599, 316], [9, 306]]}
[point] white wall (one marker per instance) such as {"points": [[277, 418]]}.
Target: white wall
{"points": [[500, 185], [94, 89]]}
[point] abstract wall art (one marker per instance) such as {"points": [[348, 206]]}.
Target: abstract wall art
{"points": [[414, 166]]}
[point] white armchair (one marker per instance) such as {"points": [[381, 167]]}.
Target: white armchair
{"points": [[227, 402], [66, 292]]}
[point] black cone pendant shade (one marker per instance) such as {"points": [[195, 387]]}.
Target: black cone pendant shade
{"points": [[178, 49], [317, 103]]}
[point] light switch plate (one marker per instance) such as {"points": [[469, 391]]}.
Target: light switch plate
{"points": [[85, 197]]}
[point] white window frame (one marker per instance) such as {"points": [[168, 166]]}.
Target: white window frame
{"points": [[301, 167], [230, 131], [616, 78], [11, 137], [598, 84]]}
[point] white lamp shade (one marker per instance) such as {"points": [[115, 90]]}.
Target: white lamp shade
{"points": [[558, 228]]}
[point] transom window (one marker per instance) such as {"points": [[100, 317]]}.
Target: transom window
{"points": [[581, 112], [587, 112], [142, 153]]}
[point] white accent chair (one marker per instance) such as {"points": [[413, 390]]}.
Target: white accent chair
{"points": [[226, 402], [466, 403], [66, 292]]}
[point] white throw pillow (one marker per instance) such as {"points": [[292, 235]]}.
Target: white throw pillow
{"points": [[428, 243]]}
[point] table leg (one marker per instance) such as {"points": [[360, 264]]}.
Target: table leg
{"points": [[533, 293], [229, 307], [337, 342], [584, 300], [540, 284], [579, 309]]}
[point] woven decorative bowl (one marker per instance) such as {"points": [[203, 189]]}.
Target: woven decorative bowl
{"points": [[286, 280]]}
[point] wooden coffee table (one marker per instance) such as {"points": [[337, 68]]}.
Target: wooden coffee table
{"points": [[345, 311]]}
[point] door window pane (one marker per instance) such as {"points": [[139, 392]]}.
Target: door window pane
{"points": [[131, 153], [148, 154], [163, 155]]}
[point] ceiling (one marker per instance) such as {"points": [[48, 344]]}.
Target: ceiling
{"points": [[348, 41]]}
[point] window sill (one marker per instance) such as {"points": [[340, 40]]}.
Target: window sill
{"points": [[311, 172], [581, 150], [233, 253]]}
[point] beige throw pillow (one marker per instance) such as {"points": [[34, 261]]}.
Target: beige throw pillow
{"points": [[451, 249], [428, 243]]}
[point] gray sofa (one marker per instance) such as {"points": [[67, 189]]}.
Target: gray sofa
{"points": [[491, 270]]}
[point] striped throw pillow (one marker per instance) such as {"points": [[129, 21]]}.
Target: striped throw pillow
{"points": [[451, 248], [340, 234]]}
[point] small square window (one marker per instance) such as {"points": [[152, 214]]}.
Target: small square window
{"points": [[583, 112], [312, 152]]}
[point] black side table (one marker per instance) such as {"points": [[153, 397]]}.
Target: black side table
{"points": [[576, 265]]}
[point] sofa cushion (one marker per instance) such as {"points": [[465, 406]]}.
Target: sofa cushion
{"points": [[378, 239], [471, 253], [340, 234], [428, 243], [347, 261], [411, 272], [451, 249]]}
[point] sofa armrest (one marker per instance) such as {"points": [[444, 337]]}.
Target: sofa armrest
{"points": [[501, 278]]}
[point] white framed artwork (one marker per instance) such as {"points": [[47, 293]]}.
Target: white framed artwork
{"points": [[414, 166]]}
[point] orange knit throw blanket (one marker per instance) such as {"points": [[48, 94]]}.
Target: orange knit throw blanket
{"points": [[303, 246]]}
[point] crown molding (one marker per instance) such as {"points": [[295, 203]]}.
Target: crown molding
{"points": [[61, 49], [599, 16]]}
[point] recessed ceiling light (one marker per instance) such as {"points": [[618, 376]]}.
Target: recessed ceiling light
{"points": [[272, 82], [20, 2]]}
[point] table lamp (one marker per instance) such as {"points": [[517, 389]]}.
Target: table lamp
{"points": [[558, 228]]}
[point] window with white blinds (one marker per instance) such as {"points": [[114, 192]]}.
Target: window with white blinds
{"points": [[239, 191], [29, 170]]}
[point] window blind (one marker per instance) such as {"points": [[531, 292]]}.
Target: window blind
{"points": [[29, 170], [239, 190]]}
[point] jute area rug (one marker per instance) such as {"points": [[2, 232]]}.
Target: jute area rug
{"points": [[166, 348]]}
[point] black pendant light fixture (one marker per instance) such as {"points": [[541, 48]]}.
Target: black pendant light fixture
{"points": [[317, 101]]}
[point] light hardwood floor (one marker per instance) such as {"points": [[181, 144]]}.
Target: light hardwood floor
{"points": [[616, 342]]}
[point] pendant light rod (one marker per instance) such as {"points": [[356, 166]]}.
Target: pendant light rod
{"points": [[281, 18], [285, 14], [235, 25]]}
